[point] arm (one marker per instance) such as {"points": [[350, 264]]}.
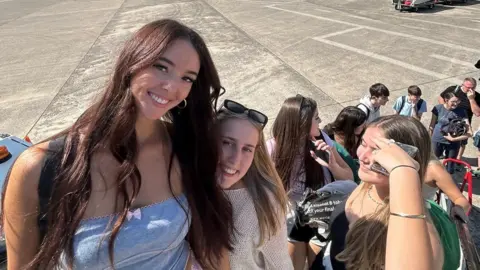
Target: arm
{"points": [[463, 137], [20, 210], [406, 237], [225, 261], [412, 238], [432, 124], [339, 168], [437, 175], [473, 103]]}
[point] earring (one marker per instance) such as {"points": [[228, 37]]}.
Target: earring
{"points": [[184, 106]]}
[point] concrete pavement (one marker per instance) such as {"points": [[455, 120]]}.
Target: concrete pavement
{"points": [[56, 55]]}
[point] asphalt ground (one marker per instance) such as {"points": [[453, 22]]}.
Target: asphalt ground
{"points": [[56, 56]]}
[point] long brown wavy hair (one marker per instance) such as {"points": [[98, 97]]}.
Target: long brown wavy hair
{"points": [[366, 242], [110, 123], [263, 184], [291, 131]]}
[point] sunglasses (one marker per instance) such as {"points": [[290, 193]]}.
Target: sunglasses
{"points": [[238, 108]]}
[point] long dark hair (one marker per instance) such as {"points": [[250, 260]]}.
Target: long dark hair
{"points": [[291, 131], [344, 126], [110, 123]]}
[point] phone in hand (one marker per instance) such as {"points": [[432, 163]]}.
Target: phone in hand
{"points": [[410, 149], [324, 155]]}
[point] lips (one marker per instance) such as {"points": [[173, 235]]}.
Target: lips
{"points": [[158, 99], [229, 171]]}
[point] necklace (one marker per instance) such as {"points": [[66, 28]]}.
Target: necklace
{"points": [[371, 198]]}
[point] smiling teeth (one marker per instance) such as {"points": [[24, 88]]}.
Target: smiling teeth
{"points": [[229, 171], [158, 99]]}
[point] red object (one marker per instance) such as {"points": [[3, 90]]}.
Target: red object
{"points": [[27, 139], [467, 179], [408, 3]]}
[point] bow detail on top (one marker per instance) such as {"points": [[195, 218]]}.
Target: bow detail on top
{"points": [[135, 214]]}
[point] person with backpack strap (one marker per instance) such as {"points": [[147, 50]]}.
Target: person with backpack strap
{"points": [[411, 105], [370, 104]]}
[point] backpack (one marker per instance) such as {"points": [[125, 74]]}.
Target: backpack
{"points": [[366, 107], [404, 99]]}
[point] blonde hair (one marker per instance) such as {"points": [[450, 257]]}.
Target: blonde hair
{"points": [[263, 184], [366, 241]]}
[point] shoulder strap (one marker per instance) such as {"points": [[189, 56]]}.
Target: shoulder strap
{"points": [[45, 183], [419, 104], [402, 104], [368, 110]]}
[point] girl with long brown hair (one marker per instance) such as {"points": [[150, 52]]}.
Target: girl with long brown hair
{"points": [[294, 130], [254, 188], [385, 223], [134, 186]]}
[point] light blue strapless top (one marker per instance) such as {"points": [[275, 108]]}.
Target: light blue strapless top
{"points": [[155, 239]]}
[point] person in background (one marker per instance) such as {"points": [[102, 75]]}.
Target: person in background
{"points": [[346, 131], [446, 145], [469, 100], [371, 103], [291, 148], [132, 183], [248, 176], [411, 104]]}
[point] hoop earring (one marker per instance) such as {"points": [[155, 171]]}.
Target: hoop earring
{"points": [[184, 106]]}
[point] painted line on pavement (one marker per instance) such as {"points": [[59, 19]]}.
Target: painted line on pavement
{"points": [[452, 60], [437, 42], [388, 60]]}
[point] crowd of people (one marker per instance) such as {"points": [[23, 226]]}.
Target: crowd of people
{"points": [[154, 176]]}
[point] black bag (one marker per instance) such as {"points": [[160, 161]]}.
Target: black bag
{"points": [[453, 124], [313, 212]]}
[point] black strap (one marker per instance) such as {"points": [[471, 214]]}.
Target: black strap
{"points": [[45, 183], [402, 104]]}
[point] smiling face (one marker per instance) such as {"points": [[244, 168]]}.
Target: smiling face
{"points": [[365, 157], [238, 140], [159, 88]]}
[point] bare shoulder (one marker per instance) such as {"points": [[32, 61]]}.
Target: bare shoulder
{"points": [[25, 172]]}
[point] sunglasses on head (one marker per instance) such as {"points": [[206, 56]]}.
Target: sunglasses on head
{"points": [[238, 108]]}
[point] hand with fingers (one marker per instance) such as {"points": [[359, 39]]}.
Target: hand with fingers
{"points": [[391, 156], [328, 157], [471, 94], [322, 154]]}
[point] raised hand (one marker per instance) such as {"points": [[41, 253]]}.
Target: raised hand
{"points": [[389, 155]]}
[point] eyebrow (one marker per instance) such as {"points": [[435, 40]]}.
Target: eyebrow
{"points": [[172, 64], [235, 140]]}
